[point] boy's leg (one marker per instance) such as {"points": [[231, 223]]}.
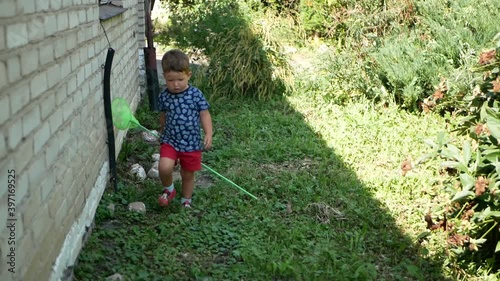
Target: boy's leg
{"points": [[165, 171], [190, 163], [187, 183]]}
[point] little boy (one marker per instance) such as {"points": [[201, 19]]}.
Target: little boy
{"points": [[182, 108]]}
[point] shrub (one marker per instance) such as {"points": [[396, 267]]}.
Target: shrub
{"points": [[472, 216], [245, 59]]}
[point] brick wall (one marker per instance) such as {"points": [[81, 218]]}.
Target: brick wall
{"points": [[52, 127]]}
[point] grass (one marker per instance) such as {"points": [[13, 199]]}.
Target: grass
{"points": [[332, 205], [333, 201]]}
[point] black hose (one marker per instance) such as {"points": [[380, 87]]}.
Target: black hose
{"points": [[109, 117]]}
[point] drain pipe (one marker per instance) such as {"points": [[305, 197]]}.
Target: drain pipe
{"points": [[153, 87], [108, 116]]}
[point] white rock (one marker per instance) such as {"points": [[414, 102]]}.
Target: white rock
{"points": [[115, 277], [137, 207], [149, 137], [153, 172], [138, 171], [156, 157], [111, 208]]}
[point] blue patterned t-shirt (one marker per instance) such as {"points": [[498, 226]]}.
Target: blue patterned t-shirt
{"points": [[182, 118]]}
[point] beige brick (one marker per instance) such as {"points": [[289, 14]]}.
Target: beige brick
{"points": [[83, 55], [63, 136], [90, 15], [55, 199], [75, 61], [82, 16], [42, 6], [22, 186], [19, 97], [3, 74], [85, 93], [36, 173], [23, 155], [60, 47], [55, 5], [73, 19], [67, 183], [75, 126], [13, 69], [50, 25], [46, 53], [3, 148], [60, 166], [65, 67], [80, 199], [52, 151], [26, 6], [80, 76], [7, 8], [3, 45], [15, 133], [72, 41], [81, 37], [48, 255], [61, 94], [41, 224], [96, 64], [17, 35], [29, 61], [54, 243], [48, 105], [96, 28], [25, 249], [88, 70], [72, 85], [31, 120], [3, 216], [62, 21], [37, 29], [41, 137], [38, 84], [47, 185], [90, 52], [88, 33], [4, 109], [99, 50], [53, 75], [4, 273], [34, 270]]}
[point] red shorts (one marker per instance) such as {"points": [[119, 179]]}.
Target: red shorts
{"points": [[190, 161]]}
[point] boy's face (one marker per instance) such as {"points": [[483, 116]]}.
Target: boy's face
{"points": [[177, 81]]}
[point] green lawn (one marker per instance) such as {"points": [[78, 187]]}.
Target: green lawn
{"points": [[333, 204]]}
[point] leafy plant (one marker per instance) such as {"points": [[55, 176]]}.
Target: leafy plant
{"points": [[472, 215], [244, 58]]}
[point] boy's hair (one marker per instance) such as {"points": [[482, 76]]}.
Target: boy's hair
{"points": [[175, 60]]}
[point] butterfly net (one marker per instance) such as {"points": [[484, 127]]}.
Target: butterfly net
{"points": [[122, 116]]}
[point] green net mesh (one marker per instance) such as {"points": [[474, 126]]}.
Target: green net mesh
{"points": [[122, 116]]}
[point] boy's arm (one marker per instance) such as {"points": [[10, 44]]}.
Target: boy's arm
{"points": [[206, 123]]}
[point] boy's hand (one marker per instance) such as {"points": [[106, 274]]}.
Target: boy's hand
{"points": [[208, 142]]}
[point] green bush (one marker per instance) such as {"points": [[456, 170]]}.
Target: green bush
{"points": [[408, 68], [472, 216], [244, 57]]}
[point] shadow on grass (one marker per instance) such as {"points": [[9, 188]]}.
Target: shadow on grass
{"points": [[314, 219]]}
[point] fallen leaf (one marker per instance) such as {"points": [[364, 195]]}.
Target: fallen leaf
{"points": [[487, 57], [406, 166]]}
